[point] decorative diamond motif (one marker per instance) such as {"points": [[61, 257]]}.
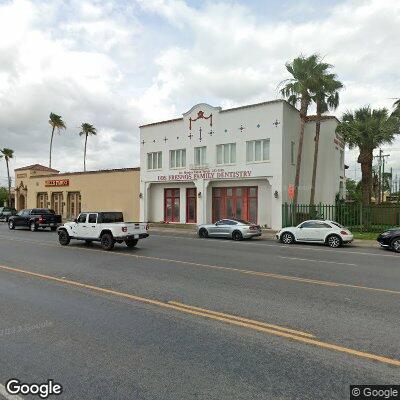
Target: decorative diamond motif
{"points": [[258, 125], [226, 130]]}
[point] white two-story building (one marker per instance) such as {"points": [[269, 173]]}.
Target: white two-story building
{"points": [[234, 163]]}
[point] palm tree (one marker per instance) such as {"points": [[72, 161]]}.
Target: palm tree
{"points": [[396, 106], [7, 154], [305, 72], [368, 129], [326, 97], [87, 129], [57, 123]]}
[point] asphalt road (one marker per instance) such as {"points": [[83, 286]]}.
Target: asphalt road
{"points": [[185, 318]]}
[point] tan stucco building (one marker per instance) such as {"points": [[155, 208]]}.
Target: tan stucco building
{"points": [[69, 193]]}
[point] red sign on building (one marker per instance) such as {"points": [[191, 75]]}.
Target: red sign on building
{"points": [[56, 182]]}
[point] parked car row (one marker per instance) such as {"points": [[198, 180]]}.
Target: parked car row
{"points": [[109, 228]]}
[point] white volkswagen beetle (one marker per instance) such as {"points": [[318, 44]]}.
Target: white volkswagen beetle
{"points": [[316, 231]]}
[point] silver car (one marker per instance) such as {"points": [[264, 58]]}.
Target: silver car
{"points": [[237, 229]]}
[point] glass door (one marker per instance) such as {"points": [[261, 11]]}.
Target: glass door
{"points": [[191, 205], [171, 205]]}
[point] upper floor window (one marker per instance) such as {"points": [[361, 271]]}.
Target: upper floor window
{"points": [[226, 153], [154, 160], [292, 150], [341, 159], [177, 158], [200, 156], [257, 150]]}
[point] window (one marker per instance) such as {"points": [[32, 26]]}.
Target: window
{"points": [[341, 159], [92, 218], [200, 156], [226, 153], [257, 150], [177, 158], [292, 149], [82, 218], [154, 160], [110, 217]]}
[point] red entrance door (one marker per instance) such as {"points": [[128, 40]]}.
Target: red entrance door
{"points": [[171, 205], [191, 205], [235, 203]]}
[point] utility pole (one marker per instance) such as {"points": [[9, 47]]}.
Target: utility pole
{"points": [[381, 172]]}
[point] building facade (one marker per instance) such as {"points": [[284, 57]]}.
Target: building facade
{"points": [[234, 163], [67, 194]]}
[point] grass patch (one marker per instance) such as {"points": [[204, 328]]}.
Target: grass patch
{"points": [[365, 235]]}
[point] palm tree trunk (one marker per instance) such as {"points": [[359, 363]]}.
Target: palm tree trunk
{"points": [[84, 154], [365, 159], [316, 148], [303, 114], [9, 183], [51, 145]]}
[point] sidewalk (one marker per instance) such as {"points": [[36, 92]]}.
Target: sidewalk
{"points": [[267, 234]]}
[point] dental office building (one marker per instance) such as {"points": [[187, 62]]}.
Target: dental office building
{"points": [[213, 163]]}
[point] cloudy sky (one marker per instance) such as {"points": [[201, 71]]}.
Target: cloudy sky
{"points": [[118, 64]]}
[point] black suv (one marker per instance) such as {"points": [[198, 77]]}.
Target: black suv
{"points": [[390, 239], [6, 212]]}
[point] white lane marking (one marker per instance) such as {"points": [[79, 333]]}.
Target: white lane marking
{"points": [[6, 395], [319, 261]]}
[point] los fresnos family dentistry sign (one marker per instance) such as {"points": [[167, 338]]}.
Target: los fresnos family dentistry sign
{"points": [[193, 175]]}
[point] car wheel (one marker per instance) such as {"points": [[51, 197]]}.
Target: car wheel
{"points": [[131, 243], [236, 235], [11, 225], [334, 241], [396, 245], [33, 227], [63, 237], [203, 233], [287, 238], [107, 241]]}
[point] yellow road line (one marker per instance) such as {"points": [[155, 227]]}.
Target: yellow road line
{"points": [[211, 315], [246, 320], [228, 269]]}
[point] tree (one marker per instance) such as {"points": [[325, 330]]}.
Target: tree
{"points": [[368, 129], [306, 72], [3, 196], [56, 122], [353, 190], [7, 154], [86, 129], [326, 97]]}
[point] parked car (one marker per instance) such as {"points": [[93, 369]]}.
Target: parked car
{"points": [[390, 239], [328, 232], [236, 229], [6, 212], [107, 228], [34, 218]]}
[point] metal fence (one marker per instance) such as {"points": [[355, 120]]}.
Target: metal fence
{"points": [[372, 218]]}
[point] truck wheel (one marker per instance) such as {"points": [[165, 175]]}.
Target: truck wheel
{"points": [[33, 227], [11, 225], [107, 241], [63, 237], [131, 242]]}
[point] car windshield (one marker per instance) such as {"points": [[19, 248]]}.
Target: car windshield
{"points": [[41, 211], [242, 221]]}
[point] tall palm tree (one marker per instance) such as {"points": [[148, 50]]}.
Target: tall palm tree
{"points": [[368, 129], [56, 122], [86, 129], [305, 72], [326, 97], [7, 154], [396, 106]]}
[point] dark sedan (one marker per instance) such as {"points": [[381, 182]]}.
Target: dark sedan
{"points": [[6, 212], [390, 239]]}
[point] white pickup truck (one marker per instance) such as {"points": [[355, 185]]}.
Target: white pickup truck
{"points": [[107, 228]]}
